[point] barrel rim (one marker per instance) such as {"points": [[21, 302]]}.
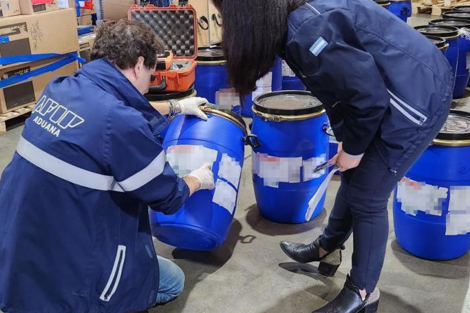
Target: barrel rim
{"points": [[280, 112], [401, 1], [210, 58], [465, 7], [170, 95], [454, 140], [441, 44], [233, 117], [450, 14], [463, 21], [452, 32], [382, 2]]}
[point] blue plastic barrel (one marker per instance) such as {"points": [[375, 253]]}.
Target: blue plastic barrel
{"points": [[289, 80], [383, 3], [402, 9], [211, 73], [463, 74], [451, 35], [440, 43], [158, 97], [461, 13], [264, 87], [203, 222], [289, 127], [432, 211]]}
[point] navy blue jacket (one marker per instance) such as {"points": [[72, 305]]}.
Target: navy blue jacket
{"points": [[383, 84], [74, 227]]}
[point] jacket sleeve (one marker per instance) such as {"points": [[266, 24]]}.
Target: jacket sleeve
{"points": [[138, 163], [329, 54]]}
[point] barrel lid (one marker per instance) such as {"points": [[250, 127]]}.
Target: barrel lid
{"points": [[441, 31], [462, 8], [459, 23], [457, 126], [456, 15], [290, 103], [210, 54], [169, 95], [438, 41]]}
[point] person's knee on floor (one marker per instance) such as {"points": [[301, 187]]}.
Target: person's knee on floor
{"points": [[171, 281]]}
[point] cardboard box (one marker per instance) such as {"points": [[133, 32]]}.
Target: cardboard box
{"points": [[50, 32], [85, 20], [29, 7], [209, 30], [115, 9], [86, 44], [10, 8], [25, 93]]}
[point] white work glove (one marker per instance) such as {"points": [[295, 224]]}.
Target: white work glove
{"points": [[190, 106], [205, 176]]}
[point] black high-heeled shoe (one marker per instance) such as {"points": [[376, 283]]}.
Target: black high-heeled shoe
{"points": [[303, 253], [349, 300]]}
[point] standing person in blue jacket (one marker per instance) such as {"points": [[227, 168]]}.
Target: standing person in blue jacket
{"points": [[74, 226], [387, 91]]}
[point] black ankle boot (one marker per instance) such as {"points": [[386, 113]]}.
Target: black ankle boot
{"points": [[349, 301], [311, 253]]}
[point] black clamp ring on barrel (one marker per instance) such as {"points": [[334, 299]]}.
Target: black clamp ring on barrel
{"points": [[216, 19], [252, 140], [203, 19]]}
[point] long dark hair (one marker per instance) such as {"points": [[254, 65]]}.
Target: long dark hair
{"points": [[254, 31]]}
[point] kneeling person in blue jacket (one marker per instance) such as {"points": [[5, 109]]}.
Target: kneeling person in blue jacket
{"points": [[74, 227]]}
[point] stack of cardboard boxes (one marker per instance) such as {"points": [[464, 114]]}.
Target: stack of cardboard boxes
{"points": [[39, 28]]}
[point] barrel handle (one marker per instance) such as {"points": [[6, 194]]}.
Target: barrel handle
{"points": [[215, 18], [328, 130], [160, 87], [203, 19], [252, 140]]}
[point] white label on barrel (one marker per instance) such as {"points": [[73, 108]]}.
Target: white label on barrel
{"points": [[458, 218], [227, 98], [225, 196], [230, 170], [286, 70], [420, 197], [275, 170], [311, 164], [186, 158]]}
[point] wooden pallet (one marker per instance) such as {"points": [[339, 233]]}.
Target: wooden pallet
{"points": [[11, 116]]}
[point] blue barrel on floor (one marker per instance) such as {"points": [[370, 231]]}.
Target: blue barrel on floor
{"points": [[211, 73], [383, 3], [462, 77], [204, 220], [169, 96], [289, 80], [432, 203], [402, 9], [289, 126], [264, 85], [440, 43], [451, 35]]}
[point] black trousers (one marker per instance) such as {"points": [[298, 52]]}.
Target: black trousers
{"points": [[361, 207]]}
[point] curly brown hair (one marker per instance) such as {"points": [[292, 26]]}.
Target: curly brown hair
{"points": [[123, 42]]}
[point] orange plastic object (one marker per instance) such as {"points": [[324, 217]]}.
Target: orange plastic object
{"points": [[180, 72]]}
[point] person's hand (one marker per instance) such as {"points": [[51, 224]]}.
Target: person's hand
{"points": [[345, 161], [190, 106], [205, 176]]}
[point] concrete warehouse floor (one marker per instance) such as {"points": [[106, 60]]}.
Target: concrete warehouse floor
{"points": [[250, 273]]}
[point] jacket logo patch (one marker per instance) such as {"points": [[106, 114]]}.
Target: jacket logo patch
{"points": [[318, 46], [54, 117]]}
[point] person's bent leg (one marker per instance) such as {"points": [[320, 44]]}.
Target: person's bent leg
{"points": [[171, 280]]}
